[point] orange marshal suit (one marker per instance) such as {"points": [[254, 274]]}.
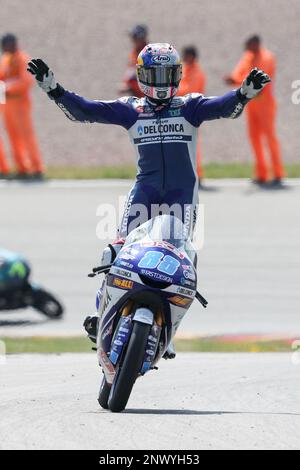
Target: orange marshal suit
{"points": [[17, 112], [4, 168], [261, 113], [193, 81], [130, 79]]}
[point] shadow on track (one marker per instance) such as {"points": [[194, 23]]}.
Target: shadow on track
{"points": [[21, 322], [269, 189], [205, 413], [174, 412]]}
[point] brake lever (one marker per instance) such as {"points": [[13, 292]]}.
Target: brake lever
{"points": [[100, 269]]}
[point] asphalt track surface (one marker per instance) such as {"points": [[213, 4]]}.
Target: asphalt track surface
{"points": [[249, 266], [197, 401]]}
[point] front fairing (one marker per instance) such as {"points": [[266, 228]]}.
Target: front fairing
{"points": [[160, 250], [145, 266], [157, 261]]}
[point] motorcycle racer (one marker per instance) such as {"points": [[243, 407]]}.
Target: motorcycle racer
{"points": [[162, 128]]}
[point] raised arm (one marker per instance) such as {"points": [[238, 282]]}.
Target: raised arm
{"points": [[230, 105], [80, 109], [201, 108]]}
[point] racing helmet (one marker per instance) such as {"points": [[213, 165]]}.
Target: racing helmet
{"points": [[159, 71]]}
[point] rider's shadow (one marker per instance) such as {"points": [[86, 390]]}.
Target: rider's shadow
{"points": [[203, 413], [174, 412]]}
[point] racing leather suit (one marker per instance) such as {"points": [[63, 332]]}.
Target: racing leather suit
{"points": [[165, 142]]}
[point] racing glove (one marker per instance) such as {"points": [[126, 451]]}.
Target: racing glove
{"points": [[43, 75], [254, 83], [45, 78]]}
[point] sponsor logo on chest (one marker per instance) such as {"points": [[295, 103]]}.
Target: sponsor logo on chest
{"points": [[164, 126], [160, 128]]}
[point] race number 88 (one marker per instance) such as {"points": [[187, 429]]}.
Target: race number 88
{"points": [[155, 259]]}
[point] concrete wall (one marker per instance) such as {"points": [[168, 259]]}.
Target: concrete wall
{"points": [[86, 44]]}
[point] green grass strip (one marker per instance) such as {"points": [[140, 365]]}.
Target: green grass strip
{"points": [[57, 345], [211, 170], [219, 345], [49, 345]]}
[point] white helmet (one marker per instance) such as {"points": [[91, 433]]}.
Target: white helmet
{"points": [[159, 71]]}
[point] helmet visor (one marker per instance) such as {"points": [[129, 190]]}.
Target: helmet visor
{"points": [[159, 76]]}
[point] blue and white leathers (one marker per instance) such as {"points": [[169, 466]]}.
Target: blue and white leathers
{"points": [[165, 142]]}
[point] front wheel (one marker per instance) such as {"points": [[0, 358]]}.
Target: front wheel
{"points": [[130, 367], [104, 394]]}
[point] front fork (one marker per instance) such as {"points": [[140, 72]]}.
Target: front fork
{"points": [[151, 348], [123, 332], [120, 339]]}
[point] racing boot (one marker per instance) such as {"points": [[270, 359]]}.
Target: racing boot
{"points": [[91, 327], [108, 256], [170, 352], [91, 322]]}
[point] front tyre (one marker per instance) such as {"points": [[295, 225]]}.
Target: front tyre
{"points": [[130, 367], [104, 394]]}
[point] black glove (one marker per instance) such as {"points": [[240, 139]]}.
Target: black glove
{"points": [[43, 75], [254, 83]]}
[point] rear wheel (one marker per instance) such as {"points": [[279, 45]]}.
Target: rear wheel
{"points": [[130, 367], [46, 303], [104, 394]]}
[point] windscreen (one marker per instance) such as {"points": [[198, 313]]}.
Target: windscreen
{"points": [[165, 228]]}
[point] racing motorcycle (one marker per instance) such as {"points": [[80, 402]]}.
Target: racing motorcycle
{"points": [[147, 290], [17, 292]]}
